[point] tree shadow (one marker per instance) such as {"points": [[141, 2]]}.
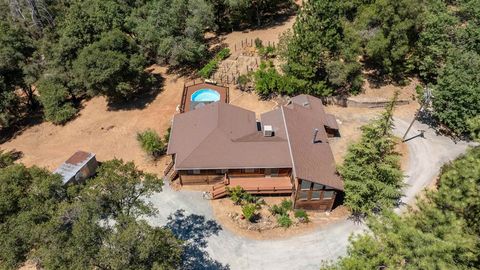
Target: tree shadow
{"points": [[194, 230], [149, 91], [32, 119]]}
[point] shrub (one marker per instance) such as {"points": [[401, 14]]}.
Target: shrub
{"points": [[223, 54], [236, 194], [266, 52], [302, 215], [248, 211], [278, 210], [151, 143], [286, 204], [258, 43], [242, 81], [166, 137], [211, 66], [284, 221], [208, 69]]}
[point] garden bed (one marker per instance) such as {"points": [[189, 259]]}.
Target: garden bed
{"points": [[229, 216]]}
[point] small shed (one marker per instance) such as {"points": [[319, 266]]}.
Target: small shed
{"points": [[78, 167]]}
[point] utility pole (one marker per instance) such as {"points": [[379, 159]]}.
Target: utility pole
{"points": [[426, 96]]}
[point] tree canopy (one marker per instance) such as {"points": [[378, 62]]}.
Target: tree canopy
{"points": [[320, 58], [95, 225], [371, 169], [443, 233]]}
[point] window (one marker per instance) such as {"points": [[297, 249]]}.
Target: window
{"points": [[305, 185], [303, 195], [274, 172], [196, 171], [316, 195], [328, 194], [249, 170], [317, 186]]}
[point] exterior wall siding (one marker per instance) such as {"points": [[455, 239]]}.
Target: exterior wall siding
{"points": [[205, 177], [304, 199]]}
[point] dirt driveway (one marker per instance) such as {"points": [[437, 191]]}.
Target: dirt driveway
{"points": [[191, 218]]}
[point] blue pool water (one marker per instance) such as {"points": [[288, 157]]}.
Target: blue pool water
{"points": [[205, 95]]}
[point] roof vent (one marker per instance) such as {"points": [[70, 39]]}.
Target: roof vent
{"points": [[306, 104], [315, 132], [267, 131]]}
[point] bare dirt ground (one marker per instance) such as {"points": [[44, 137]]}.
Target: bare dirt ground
{"points": [[350, 119], [270, 34], [109, 134]]}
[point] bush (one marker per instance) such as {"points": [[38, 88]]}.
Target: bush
{"points": [[266, 52], [242, 81], [302, 215], [211, 66], [151, 143], [166, 137], [236, 194], [284, 221], [282, 209], [248, 211], [223, 54], [258, 43], [286, 204]]}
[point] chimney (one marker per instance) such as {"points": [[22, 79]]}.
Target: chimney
{"points": [[315, 132]]}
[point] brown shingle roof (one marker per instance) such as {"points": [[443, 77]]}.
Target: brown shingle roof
{"points": [[223, 136]]}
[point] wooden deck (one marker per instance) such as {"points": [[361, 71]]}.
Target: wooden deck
{"points": [[262, 185], [254, 185], [188, 90]]}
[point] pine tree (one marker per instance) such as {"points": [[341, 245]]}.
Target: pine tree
{"points": [[371, 170], [443, 233]]}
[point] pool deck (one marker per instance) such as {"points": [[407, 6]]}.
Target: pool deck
{"points": [[189, 89]]}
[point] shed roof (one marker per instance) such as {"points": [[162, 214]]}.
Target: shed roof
{"points": [[73, 165]]}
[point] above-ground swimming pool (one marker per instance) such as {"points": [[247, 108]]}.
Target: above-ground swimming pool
{"points": [[205, 95]]}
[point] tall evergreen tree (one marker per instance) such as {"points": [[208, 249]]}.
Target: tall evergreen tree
{"points": [[371, 169], [443, 233], [315, 51]]}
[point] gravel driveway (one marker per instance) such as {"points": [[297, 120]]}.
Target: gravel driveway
{"points": [[210, 247]]}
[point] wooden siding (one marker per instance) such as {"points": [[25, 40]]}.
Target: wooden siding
{"points": [[308, 203], [201, 179]]}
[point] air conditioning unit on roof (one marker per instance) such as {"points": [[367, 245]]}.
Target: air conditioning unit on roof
{"points": [[267, 131]]}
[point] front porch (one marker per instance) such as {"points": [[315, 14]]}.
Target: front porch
{"points": [[254, 185]]}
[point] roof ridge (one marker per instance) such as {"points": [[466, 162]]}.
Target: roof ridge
{"points": [[288, 142]]}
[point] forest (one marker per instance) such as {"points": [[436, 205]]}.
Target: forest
{"points": [[56, 53], [441, 232]]}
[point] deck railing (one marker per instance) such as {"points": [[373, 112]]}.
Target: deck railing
{"points": [[168, 168]]}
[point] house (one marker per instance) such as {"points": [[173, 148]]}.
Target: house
{"points": [[285, 152], [78, 167]]}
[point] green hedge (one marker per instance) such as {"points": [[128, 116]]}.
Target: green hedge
{"points": [[211, 66]]}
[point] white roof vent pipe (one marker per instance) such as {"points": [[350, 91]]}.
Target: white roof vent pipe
{"points": [[315, 132]]}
